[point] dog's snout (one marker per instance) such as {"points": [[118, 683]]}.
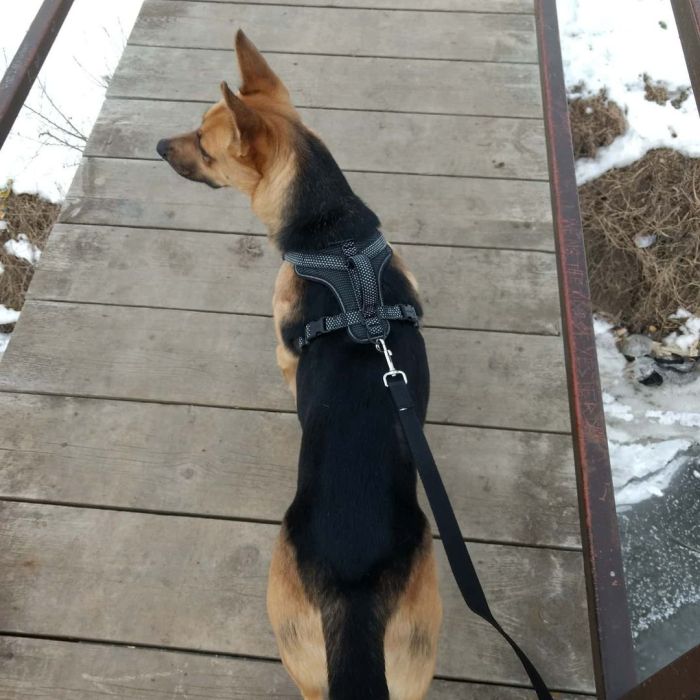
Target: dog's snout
{"points": [[163, 147]]}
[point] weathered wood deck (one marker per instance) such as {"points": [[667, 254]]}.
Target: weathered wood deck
{"points": [[148, 444]]}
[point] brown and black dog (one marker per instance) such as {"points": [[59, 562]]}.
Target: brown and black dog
{"points": [[353, 596]]}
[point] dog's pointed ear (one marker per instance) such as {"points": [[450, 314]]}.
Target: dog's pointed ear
{"points": [[246, 120], [256, 74]]}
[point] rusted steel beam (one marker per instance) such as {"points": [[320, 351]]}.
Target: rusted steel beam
{"points": [[687, 14], [680, 680], [607, 599], [22, 71]]}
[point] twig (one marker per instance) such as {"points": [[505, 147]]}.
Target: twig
{"points": [[69, 132], [59, 141], [97, 81], [65, 118]]}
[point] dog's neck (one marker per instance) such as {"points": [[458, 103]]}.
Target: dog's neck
{"points": [[320, 208]]}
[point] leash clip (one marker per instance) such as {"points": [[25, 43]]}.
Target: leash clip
{"points": [[393, 372]]}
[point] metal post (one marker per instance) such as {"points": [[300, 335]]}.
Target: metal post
{"points": [[687, 14], [22, 71]]}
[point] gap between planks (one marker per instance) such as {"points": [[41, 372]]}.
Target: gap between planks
{"points": [[377, 8], [122, 305], [243, 519], [175, 650], [414, 112], [336, 55], [163, 402], [219, 232]]}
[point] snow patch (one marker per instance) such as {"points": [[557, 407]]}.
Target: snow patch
{"points": [[600, 51], [615, 409], [687, 338], [4, 340], [687, 420], [649, 428], [645, 470], [22, 247], [7, 316]]}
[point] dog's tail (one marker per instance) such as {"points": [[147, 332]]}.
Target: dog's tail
{"points": [[353, 628]]}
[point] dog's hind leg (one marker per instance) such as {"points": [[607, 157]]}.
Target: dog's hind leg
{"points": [[410, 642], [296, 623]]}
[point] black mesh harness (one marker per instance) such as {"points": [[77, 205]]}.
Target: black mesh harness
{"points": [[353, 271]]}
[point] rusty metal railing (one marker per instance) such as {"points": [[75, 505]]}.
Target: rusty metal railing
{"points": [[687, 14], [26, 64], [613, 653], [613, 656]]}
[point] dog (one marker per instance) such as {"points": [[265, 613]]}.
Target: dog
{"points": [[353, 593]]}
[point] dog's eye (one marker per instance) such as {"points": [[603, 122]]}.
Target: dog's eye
{"points": [[205, 155]]}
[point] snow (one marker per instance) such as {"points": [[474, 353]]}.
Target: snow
{"points": [[645, 470], [603, 48], [68, 92], [22, 247], [7, 315], [686, 340], [649, 428], [687, 420]]}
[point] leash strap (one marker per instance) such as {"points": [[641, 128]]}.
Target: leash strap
{"points": [[457, 553]]}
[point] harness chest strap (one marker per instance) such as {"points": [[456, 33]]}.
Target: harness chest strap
{"points": [[355, 276]]}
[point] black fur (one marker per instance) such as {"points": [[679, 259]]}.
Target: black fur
{"points": [[355, 523]]}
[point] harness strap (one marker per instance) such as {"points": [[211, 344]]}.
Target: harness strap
{"points": [[457, 553], [354, 275], [328, 324], [334, 262]]}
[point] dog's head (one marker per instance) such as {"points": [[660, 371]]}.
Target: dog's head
{"points": [[244, 138]]}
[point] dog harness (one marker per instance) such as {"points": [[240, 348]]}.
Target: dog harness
{"points": [[353, 271]]}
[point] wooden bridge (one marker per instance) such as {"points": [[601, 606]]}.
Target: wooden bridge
{"points": [[148, 444]]}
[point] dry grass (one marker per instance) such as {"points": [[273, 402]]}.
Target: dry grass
{"points": [[595, 122], [658, 92], [657, 196], [34, 217]]}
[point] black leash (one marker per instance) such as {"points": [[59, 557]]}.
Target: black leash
{"points": [[457, 553]]}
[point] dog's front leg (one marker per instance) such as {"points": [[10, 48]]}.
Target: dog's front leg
{"points": [[286, 303]]}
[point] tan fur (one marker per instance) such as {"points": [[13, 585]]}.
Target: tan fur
{"points": [[247, 140], [410, 641], [285, 309], [296, 623], [400, 264]]}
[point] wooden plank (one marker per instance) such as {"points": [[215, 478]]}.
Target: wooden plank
{"points": [[507, 6], [69, 671], [398, 33], [242, 464], [413, 208], [200, 584], [468, 146], [490, 89], [478, 378], [233, 273]]}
